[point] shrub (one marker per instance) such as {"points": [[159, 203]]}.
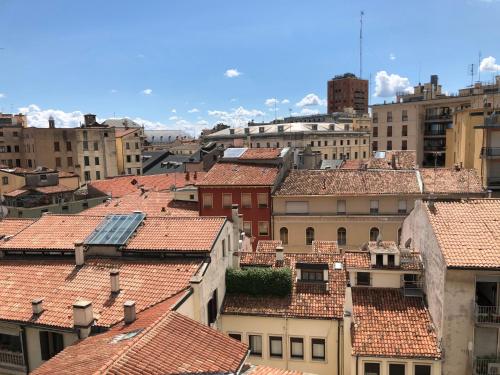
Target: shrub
{"points": [[258, 281]]}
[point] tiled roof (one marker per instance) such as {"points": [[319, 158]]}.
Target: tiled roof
{"points": [[53, 232], [15, 193], [268, 245], [10, 227], [171, 344], [261, 153], [387, 324], [362, 260], [123, 132], [264, 370], [396, 159], [450, 180], [349, 182], [152, 203], [233, 174], [54, 189], [177, 234], [60, 283], [468, 232], [325, 247], [308, 300], [120, 186]]}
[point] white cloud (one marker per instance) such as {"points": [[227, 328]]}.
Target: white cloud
{"points": [[40, 118], [194, 110], [310, 100], [489, 64], [237, 116], [174, 110], [308, 111], [392, 56], [271, 102], [147, 91], [232, 73], [202, 122], [387, 85], [2, 95], [233, 100], [285, 101], [173, 118]]}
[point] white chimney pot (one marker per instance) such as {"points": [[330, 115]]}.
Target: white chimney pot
{"points": [[37, 306]]}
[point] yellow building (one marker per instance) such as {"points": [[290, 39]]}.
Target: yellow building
{"points": [[128, 151]]}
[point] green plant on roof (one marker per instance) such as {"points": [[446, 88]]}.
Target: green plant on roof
{"points": [[258, 281]]}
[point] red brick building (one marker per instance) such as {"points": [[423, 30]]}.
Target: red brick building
{"points": [[347, 91], [246, 177]]}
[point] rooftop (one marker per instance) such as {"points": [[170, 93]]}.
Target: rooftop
{"points": [[264, 370], [468, 232], [309, 300], [124, 132], [233, 174], [265, 246], [387, 324], [451, 180], [10, 227]]}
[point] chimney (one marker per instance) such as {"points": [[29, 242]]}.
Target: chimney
{"points": [[52, 123], [79, 254], [279, 253], [83, 317], [115, 281], [129, 311], [90, 119], [37, 306]]}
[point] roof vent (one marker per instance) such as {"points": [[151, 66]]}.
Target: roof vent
{"points": [[37, 306]]}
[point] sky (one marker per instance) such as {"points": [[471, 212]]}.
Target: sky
{"points": [[191, 64]]}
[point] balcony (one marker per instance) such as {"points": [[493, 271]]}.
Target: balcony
{"points": [[490, 152], [435, 133], [485, 365], [13, 361], [488, 315], [442, 117]]}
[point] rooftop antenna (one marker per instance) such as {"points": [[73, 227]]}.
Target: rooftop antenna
{"points": [[419, 71], [479, 68], [471, 71], [361, 44]]}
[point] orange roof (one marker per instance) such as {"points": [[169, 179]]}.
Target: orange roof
{"points": [[468, 232], [54, 189], [261, 154], [15, 193], [268, 245], [60, 283], [170, 344], [450, 180], [233, 174], [325, 247], [264, 370], [152, 203], [308, 300], [120, 186], [387, 324], [10, 227], [177, 234], [122, 132], [362, 260]]}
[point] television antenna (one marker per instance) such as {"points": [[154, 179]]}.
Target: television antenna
{"points": [[471, 70], [361, 44]]}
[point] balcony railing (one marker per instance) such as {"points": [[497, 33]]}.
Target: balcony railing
{"points": [[11, 359], [487, 314], [435, 132], [483, 364], [490, 151]]}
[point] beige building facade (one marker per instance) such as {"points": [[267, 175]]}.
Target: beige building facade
{"points": [[128, 150]]}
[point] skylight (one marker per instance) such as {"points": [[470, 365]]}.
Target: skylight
{"points": [[115, 229]]}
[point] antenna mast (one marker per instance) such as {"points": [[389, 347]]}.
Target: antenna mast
{"points": [[479, 68], [361, 44]]}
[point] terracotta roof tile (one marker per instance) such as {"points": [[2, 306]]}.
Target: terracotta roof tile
{"points": [[264, 246], [152, 203], [60, 283], [265, 370], [54, 189], [362, 260], [170, 344], [15, 193], [308, 300], [468, 232], [325, 247], [122, 132], [233, 174], [261, 153], [349, 182], [10, 227], [450, 180], [387, 324]]}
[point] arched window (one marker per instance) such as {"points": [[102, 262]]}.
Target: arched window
{"points": [[284, 235], [374, 232], [341, 236], [309, 236]]}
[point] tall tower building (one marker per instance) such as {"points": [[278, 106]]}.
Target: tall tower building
{"points": [[347, 91]]}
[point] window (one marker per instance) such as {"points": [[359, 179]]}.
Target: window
{"points": [[87, 175], [284, 235], [258, 145], [212, 308], [97, 175], [129, 159], [86, 161], [255, 343], [404, 115], [10, 343], [275, 346], [311, 275], [404, 130], [16, 148], [56, 146], [105, 134], [389, 116], [375, 146], [341, 236], [30, 163], [15, 134], [51, 343], [246, 200], [58, 162], [389, 145], [129, 170], [69, 161], [191, 196], [96, 161], [18, 162], [68, 146], [389, 131], [297, 347], [379, 260], [422, 370], [396, 369], [348, 142], [263, 228], [43, 177], [208, 201], [374, 207], [341, 207], [5, 180], [236, 336], [127, 146], [404, 145], [296, 207], [227, 200], [402, 206], [374, 232], [363, 278], [341, 142], [136, 145], [391, 260], [262, 200], [375, 118], [309, 236], [318, 349], [247, 227], [85, 145], [325, 143]]}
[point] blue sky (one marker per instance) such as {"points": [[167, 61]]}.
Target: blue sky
{"points": [[164, 63]]}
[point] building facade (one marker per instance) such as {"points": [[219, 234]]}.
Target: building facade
{"points": [[128, 147], [347, 91]]}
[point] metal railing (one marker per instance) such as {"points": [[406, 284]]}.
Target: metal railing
{"points": [[490, 151], [11, 358], [482, 364], [487, 314]]}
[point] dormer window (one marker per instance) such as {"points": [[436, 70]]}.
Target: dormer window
{"points": [[280, 129], [261, 129], [311, 275], [247, 130], [312, 272], [314, 126]]}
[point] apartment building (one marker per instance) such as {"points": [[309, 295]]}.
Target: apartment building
{"points": [[247, 178], [129, 146], [459, 243], [353, 206], [330, 140], [11, 127], [347, 91]]}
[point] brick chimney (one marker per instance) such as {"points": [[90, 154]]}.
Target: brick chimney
{"points": [[129, 312], [83, 317], [79, 253], [114, 276]]}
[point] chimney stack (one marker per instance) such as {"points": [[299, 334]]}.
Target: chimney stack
{"points": [[37, 306], [83, 317], [90, 119], [52, 123], [79, 254], [114, 275], [279, 253], [129, 311]]}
